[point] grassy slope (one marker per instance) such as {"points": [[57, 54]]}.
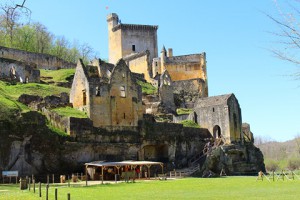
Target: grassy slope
{"points": [[190, 123], [57, 75], [189, 188], [147, 88], [68, 111], [183, 111], [14, 91], [9, 106]]}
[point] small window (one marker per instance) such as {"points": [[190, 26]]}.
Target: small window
{"points": [[84, 97], [122, 91], [133, 47], [213, 109], [124, 115], [155, 64], [97, 91]]}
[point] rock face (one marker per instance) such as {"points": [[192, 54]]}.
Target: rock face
{"points": [[30, 147], [234, 159]]}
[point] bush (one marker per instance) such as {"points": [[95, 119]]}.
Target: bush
{"points": [[272, 165], [293, 164]]}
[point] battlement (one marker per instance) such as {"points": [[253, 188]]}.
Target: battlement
{"points": [[135, 27]]}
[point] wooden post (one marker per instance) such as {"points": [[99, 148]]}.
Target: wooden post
{"points": [[40, 189], [102, 174], [53, 178], [29, 180], [32, 177], [69, 196], [282, 175], [162, 168], [86, 177], [47, 189], [273, 176], [47, 179], [55, 195], [68, 180], [149, 171], [33, 181]]}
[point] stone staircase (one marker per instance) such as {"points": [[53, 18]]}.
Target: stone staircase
{"points": [[195, 164]]}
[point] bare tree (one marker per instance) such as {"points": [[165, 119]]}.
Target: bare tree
{"points": [[288, 43], [86, 52], [297, 140]]}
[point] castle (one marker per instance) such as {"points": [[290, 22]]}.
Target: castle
{"points": [[118, 126], [137, 45]]}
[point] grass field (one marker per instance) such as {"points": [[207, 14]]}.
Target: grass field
{"points": [[189, 188]]}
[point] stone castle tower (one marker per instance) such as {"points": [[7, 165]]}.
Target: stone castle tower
{"points": [[127, 39]]}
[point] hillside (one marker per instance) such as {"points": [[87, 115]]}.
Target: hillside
{"points": [[281, 155]]}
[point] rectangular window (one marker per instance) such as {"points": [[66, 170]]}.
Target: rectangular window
{"points": [[122, 91], [84, 97], [133, 47]]}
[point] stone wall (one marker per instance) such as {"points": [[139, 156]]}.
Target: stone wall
{"points": [[24, 71], [180, 118], [186, 92], [139, 63], [43, 61]]}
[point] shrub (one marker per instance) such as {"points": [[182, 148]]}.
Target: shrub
{"points": [[293, 163], [272, 165]]}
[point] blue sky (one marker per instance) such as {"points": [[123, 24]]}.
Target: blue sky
{"points": [[234, 34]]}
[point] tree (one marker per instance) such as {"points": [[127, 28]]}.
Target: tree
{"points": [[86, 52], [10, 15], [43, 38], [289, 33]]}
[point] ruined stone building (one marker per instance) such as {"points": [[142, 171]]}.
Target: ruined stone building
{"points": [[137, 45], [221, 115], [108, 93], [19, 71]]}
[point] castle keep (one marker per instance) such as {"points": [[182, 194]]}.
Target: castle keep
{"points": [[137, 45]]}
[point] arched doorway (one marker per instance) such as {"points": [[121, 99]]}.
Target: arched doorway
{"points": [[217, 131], [156, 153]]}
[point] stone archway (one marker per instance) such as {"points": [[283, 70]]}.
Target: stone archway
{"points": [[156, 153], [217, 131]]}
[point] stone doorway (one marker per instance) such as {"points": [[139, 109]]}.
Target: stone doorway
{"points": [[217, 132], [157, 153]]}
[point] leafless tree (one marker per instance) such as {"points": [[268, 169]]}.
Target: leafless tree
{"points": [[86, 52], [288, 35]]}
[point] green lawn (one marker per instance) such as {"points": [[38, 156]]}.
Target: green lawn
{"points": [[189, 188]]}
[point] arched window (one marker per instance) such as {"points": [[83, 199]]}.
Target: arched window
{"points": [[97, 91], [122, 91]]}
